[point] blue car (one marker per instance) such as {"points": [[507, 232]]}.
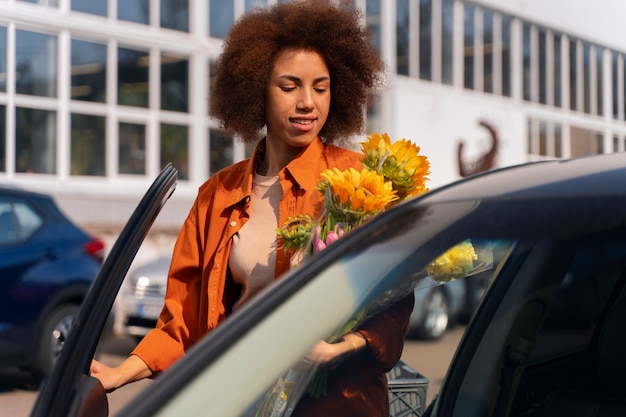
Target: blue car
{"points": [[47, 264]]}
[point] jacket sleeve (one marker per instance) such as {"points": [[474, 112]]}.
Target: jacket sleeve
{"points": [[177, 324], [385, 333]]}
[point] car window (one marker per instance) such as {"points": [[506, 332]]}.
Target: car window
{"points": [[18, 220], [582, 295], [28, 220]]}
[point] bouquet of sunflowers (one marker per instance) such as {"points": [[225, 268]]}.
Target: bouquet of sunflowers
{"points": [[392, 172]]}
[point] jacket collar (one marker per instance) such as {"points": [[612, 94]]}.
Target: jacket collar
{"points": [[299, 168]]}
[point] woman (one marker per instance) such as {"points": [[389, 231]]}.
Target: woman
{"points": [[289, 76]]}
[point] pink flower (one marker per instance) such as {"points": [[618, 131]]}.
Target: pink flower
{"points": [[331, 238], [319, 246]]}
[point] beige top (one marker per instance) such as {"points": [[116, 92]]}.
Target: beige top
{"points": [[253, 253]]}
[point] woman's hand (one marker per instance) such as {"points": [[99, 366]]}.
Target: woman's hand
{"points": [[132, 369], [330, 355]]}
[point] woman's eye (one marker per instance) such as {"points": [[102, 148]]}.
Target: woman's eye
{"points": [[321, 90], [287, 89]]}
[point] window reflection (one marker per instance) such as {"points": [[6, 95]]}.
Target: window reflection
{"points": [[526, 58], [253, 4], [35, 141], [175, 14], [447, 24], [52, 3], [506, 56], [137, 11], [426, 35], [221, 16], [132, 75], [468, 51], [615, 84], [3, 138], [488, 51], [35, 64], [573, 64], [558, 90], [599, 81], [585, 142], [543, 65], [3, 58], [174, 82], [586, 77], [97, 7], [372, 9], [221, 150], [132, 148], [89, 61], [87, 147], [402, 37], [175, 148]]}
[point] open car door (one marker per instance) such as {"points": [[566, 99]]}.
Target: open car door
{"points": [[69, 390]]}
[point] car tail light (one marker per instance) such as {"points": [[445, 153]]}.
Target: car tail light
{"points": [[95, 248]]}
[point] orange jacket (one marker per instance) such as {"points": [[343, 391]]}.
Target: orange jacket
{"points": [[198, 292]]}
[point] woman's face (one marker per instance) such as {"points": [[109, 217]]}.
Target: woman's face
{"points": [[297, 99]]}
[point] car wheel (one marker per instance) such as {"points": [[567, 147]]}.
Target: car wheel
{"points": [[436, 316], [53, 335]]}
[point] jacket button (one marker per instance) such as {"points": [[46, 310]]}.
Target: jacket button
{"points": [[233, 223]]}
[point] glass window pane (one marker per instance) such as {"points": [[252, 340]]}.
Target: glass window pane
{"points": [[174, 82], [3, 138], [3, 58], [372, 8], [426, 35], [175, 14], [175, 148], [97, 7], [402, 37], [137, 11], [87, 145], [585, 142], [221, 153], [132, 77], [221, 16], [599, 81], [543, 75], [468, 50], [35, 141], [558, 141], [253, 4], [89, 62], [586, 77], [526, 51], [506, 56], [615, 84], [447, 24], [35, 64], [558, 90], [52, 3], [132, 149], [573, 91], [488, 51]]}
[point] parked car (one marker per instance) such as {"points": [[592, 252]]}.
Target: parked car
{"points": [[141, 297], [47, 264], [546, 339], [436, 308]]}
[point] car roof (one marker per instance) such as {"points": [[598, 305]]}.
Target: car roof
{"points": [[598, 175]]}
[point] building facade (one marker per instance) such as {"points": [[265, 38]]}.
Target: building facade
{"points": [[96, 96]]}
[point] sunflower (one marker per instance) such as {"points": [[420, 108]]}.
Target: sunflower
{"points": [[399, 163], [456, 262], [351, 196]]}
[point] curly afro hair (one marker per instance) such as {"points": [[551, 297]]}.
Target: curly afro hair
{"points": [[253, 42]]}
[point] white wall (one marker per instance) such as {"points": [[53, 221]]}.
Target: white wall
{"points": [[436, 118]]}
